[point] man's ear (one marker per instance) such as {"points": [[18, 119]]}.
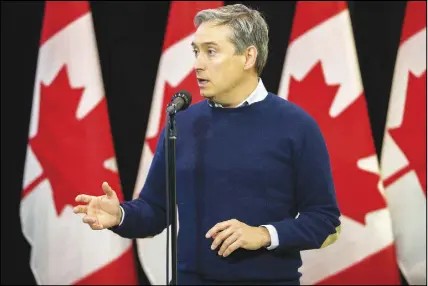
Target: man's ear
{"points": [[250, 57]]}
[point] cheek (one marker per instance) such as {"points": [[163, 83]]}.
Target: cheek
{"points": [[226, 72]]}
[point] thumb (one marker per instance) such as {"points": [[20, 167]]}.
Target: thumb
{"points": [[108, 190]]}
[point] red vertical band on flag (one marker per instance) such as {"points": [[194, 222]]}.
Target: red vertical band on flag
{"points": [[180, 19], [58, 14], [417, 21], [315, 14]]}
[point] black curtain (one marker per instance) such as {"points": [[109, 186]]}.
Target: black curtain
{"points": [[129, 38]]}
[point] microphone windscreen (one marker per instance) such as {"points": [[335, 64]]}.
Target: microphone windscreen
{"points": [[186, 96]]}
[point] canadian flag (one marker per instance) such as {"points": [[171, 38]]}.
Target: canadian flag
{"points": [[404, 157], [175, 72], [321, 74], [70, 151]]}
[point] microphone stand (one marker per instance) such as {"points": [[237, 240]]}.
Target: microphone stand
{"points": [[171, 195]]}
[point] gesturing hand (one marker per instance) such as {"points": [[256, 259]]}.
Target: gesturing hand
{"points": [[233, 234], [102, 211]]}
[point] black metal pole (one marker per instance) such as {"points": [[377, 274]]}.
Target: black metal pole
{"points": [[170, 139]]}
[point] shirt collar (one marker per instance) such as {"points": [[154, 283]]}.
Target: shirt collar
{"points": [[258, 94]]}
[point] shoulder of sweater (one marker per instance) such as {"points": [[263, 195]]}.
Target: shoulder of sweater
{"points": [[291, 111], [299, 123]]}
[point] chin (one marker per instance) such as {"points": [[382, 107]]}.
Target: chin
{"points": [[207, 96]]}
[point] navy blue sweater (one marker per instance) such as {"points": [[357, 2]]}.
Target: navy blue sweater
{"points": [[260, 164]]}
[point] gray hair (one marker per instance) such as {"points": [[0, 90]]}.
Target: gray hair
{"points": [[248, 28]]}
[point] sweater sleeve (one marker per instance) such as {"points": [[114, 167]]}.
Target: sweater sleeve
{"points": [[146, 215], [317, 224]]}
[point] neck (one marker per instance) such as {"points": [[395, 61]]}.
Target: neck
{"points": [[240, 92]]}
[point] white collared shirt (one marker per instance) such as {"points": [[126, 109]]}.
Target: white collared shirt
{"points": [[258, 94]]}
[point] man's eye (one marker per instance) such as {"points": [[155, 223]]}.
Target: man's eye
{"points": [[211, 52], [195, 52]]}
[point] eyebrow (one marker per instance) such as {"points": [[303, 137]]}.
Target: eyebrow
{"points": [[205, 44]]}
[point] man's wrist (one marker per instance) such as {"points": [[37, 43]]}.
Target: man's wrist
{"points": [[266, 236], [273, 235]]}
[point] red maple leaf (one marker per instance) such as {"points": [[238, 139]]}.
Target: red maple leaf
{"points": [[411, 136], [348, 138], [72, 152], [189, 84]]}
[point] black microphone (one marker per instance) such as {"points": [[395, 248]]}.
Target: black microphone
{"points": [[180, 101]]}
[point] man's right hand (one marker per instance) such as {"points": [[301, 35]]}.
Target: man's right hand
{"points": [[100, 212]]}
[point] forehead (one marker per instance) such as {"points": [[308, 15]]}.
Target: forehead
{"points": [[209, 32]]}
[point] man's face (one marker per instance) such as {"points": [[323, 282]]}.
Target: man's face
{"points": [[218, 69]]}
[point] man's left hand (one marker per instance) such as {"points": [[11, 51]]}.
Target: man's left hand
{"points": [[233, 234]]}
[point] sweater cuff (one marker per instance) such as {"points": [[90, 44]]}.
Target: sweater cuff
{"points": [[274, 240], [123, 215]]}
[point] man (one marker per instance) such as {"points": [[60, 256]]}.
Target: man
{"points": [[254, 184]]}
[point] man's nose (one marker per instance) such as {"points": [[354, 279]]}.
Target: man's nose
{"points": [[199, 63]]}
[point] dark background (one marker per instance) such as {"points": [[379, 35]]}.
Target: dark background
{"points": [[129, 38]]}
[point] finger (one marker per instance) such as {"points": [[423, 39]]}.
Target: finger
{"points": [[234, 246], [80, 209], [89, 219], [108, 190], [218, 227], [220, 237], [96, 226], [92, 222], [231, 239], [83, 198]]}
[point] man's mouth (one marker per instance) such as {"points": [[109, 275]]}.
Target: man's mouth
{"points": [[202, 82]]}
